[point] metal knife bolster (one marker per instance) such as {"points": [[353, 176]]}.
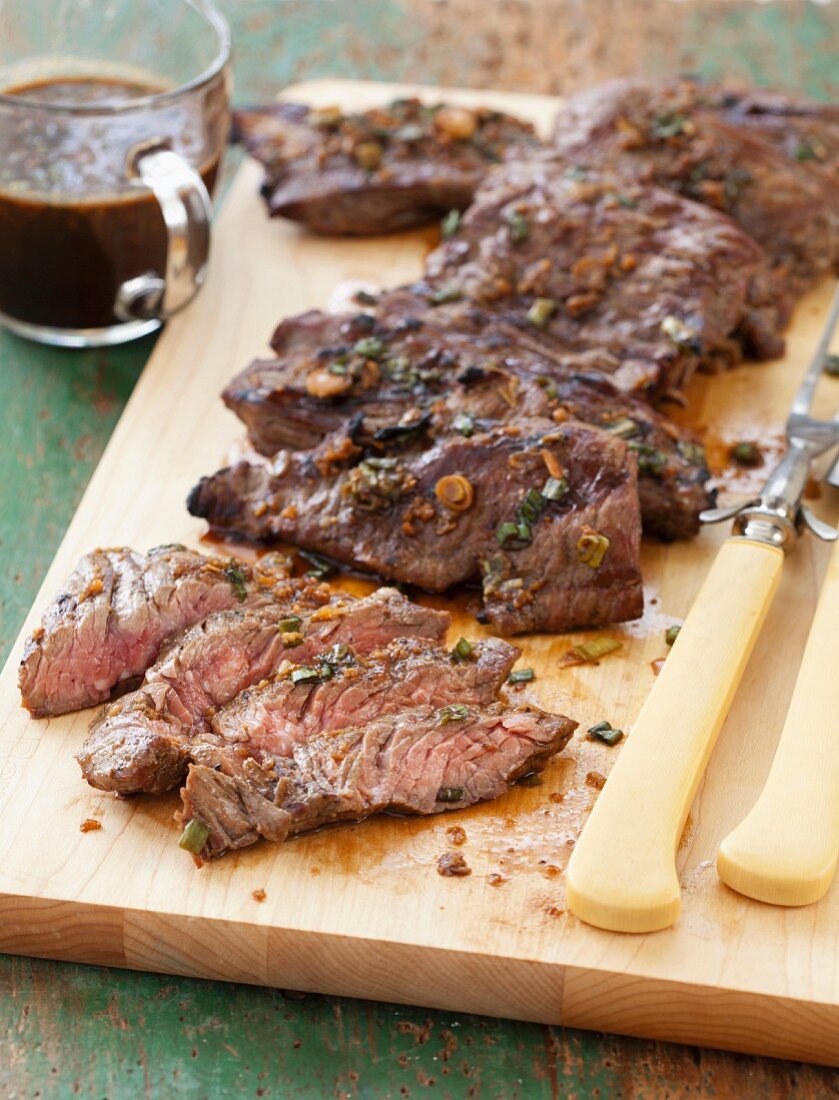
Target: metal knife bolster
{"points": [[777, 516]]}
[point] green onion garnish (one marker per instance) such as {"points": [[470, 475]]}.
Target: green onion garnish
{"points": [[194, 836], [519, 229], [450, 794], [746, 453], [672, 634], [446, 294], [454, 712], [462, 650], [555, 488], [623, 427], [321, 567], [450, 224], [588, 652], [506, 533], [541, 312], [290, 625], [304, 675], [371, 347], [605, 732], [465, 424], [521, 676], [235, 574]]}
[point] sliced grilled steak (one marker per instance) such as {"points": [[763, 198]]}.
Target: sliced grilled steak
{"points": [[107, 624], [421, 761], [434, 518], [388, 168], [412, 379], [806, 130], [585, 263], [343, 688], [141, 742], [667, 134]]}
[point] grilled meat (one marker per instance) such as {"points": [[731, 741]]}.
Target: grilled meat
{"points": [[667, 134], [106, 626], [342, 688], [587, 264], [141, 742], [526, 505], [409, 379], [419, 761], [388, 168]]}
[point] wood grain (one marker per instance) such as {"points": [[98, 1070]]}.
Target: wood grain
{"points": [[360, 910]]}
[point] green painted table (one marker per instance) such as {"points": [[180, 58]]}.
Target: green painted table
{"points": [[82, 1031]]}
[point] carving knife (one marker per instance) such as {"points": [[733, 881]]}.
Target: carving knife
{"points": [[622, 873]]}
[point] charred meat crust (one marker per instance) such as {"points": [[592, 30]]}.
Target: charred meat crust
{"points": [[681, 135], [380, 170], [412, 379], [395, 517]]}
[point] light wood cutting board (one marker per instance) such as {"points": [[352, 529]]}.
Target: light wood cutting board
{"points": [[361, 910]]}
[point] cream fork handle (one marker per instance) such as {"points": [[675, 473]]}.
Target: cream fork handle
{"points": [[622, 873], [785, 851]]}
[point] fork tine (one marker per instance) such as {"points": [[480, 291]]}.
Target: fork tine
{"points": [[804, 397]]}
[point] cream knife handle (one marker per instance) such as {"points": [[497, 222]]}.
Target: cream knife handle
{"points": [[622, 873], [786, 849]]}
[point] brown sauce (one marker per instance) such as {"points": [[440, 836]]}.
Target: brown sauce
{"points": [[72, 227]]}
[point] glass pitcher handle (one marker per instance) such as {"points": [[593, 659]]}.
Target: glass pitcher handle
{"points": [[187, 211]]}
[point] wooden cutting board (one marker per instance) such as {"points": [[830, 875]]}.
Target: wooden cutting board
{"points": [[361, 910]]}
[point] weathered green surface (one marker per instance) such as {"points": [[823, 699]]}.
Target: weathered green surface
{"points": [[72, 1030]]}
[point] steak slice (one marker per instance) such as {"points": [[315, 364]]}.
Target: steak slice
{"points": [[806, 130], [388, 168], [344, 688], [413, 379], [420, 761], [666, 133], [140, 743], [588, 264], [434, 518], [107, 624]]}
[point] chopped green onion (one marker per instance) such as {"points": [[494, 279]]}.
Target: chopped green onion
{"points": [[506, 533], [588, 652], [454, 712], [541, 312], [555, 488], [532, 779], [623, 427], [337, 368], [831, 366], [450, 224], [462, 650], [304, 675], [365, 298], [650, 459], [322, 567], [605, 732], [290, 625], [524, 532], [694, 453], [446, 294], [235, 574], [521, 676], [465, 424], [805, 150], [532, 506], [746, 453], [592, 548], [194, 836], [450, 794], [370, 347], [519, 229], [682, 335], [672, 634], [668, 125]]}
